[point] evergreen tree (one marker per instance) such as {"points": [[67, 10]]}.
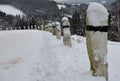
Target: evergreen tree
{"points": [[75, 23]]}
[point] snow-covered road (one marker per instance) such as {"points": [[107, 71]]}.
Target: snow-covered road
{"points": [[39, 56]]}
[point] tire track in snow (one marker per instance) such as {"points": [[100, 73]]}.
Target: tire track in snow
{"points": [[46, 68]]}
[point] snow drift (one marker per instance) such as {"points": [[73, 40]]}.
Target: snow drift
{"points": [[39, 56]]}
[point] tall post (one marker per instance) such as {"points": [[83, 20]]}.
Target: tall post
{"points": [[96, 37], [28, 27], [46, 28], [19, 28], [58, 30], [35, 27], [42, 27], [50, 27], [38, 27], [31, 27], [66, 32], [24, 27], [54, 28]]}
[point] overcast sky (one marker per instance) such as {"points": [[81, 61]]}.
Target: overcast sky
{"points": [[84, 1]]}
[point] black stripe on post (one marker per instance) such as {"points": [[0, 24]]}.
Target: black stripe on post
{"points": [[65, 26], [53, 26], [97, 28]]}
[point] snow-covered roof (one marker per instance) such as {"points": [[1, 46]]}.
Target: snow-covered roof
{"points": [[11, 10], [97, 14]]}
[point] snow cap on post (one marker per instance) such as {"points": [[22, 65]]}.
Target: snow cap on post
{"points": [[97, 14], [53, 24], [49, 24], [46, 26], [65, 22]]}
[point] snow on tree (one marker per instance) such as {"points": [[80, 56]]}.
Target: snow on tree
{"points": [[75, 23], [96, 37]]}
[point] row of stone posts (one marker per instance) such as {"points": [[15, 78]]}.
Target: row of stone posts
{"points": [[55, 29], [96, 37]]}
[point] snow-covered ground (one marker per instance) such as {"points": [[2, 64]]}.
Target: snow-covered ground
{"points": [[11, 10], [39, 56]]}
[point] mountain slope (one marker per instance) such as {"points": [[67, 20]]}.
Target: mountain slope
{"points": [[10, 10], [34, 7]]}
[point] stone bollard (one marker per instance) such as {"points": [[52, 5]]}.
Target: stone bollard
{"points": [[66, 32], [38, 27], [35, 27], [19, 28], [6, 28], [50, 27], [24, 27], [46, 28], [96, 37], [28, 27], [58, 30], [42, 27], [11, 28], [31, 27], [54, 28]]}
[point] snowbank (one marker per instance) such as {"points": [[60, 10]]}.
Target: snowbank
{"points": [[11, 10], [39, 56]]}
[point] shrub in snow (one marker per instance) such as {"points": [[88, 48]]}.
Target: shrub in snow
{"points": [[66, 31], [96, 37]]}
